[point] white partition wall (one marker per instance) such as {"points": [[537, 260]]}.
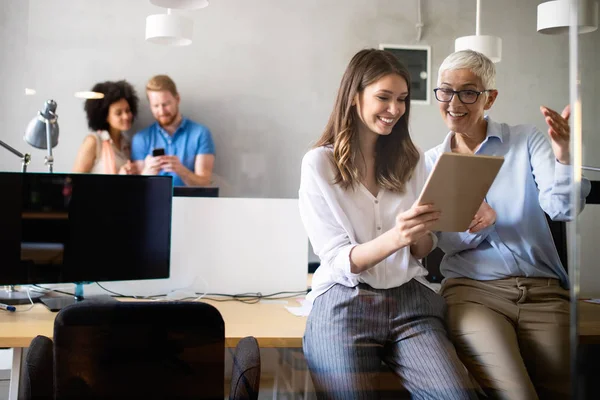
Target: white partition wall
{"points": [[231, 246], [234, 245]]}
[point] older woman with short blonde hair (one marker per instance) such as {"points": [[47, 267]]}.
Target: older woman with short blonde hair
{"points": [[505, 286]]}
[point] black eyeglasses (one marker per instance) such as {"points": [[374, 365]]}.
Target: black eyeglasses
{"points": [[466, 96]]}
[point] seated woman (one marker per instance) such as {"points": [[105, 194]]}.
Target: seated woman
{"points": [[371, 302], [506, 289], [107, 150]]}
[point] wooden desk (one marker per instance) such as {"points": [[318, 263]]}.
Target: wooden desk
{"points": [[270, 323]]}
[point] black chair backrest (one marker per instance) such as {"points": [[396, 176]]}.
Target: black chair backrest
{"points": [[559, 235], [148, 350], [594, 196]]}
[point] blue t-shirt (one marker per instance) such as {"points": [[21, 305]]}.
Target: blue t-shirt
{"points": [[188, 141]]}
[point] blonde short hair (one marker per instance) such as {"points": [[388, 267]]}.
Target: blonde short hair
{"points": [[158, 83]]}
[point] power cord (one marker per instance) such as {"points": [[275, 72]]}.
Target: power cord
{"points": [[254, 298], [248, 297], [54, 290], [30, 301]]}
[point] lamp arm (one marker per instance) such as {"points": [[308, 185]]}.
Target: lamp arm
{"points": [[25, 158], [12, 149]]}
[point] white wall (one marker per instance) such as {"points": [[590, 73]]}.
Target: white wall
{"points": [[262, 74]]}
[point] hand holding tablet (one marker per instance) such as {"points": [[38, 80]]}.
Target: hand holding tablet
{"points": [[457, 187], [416, 222]]}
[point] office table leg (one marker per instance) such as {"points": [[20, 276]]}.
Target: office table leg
{"points": [[15, 374]]}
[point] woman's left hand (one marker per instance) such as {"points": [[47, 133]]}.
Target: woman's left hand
{"points": [[559, 131], [484, 217]]}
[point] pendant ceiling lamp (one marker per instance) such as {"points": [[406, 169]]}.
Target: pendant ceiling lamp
{"points": [[181, 4], [490, 46], [172, 29], [553, 17], [169, 29]]}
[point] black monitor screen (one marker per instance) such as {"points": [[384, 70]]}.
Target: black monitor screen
{"points": [[59, 228]]}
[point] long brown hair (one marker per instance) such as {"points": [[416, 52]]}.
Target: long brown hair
{"points": [[396, 155]]}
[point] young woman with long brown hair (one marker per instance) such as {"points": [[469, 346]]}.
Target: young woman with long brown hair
{"points": [[371, 302]]}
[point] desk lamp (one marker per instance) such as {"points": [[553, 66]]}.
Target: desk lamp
{"points": [[42, 131]]}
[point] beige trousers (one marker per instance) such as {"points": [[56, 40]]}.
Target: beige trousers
{"points": [[512, 334]]}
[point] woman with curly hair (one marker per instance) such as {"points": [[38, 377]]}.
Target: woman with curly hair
{"points": [[107, 150], [370, 300]]}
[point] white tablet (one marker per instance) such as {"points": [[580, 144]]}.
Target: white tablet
{"points": [[457, 186]]}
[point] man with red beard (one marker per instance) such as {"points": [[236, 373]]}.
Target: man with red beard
{"points": [[173, 145]]}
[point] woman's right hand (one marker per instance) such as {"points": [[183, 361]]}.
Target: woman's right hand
{"points": [[413, 224]]}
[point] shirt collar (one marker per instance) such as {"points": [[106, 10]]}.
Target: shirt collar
{"points": [[494, 130], [180, 128]]}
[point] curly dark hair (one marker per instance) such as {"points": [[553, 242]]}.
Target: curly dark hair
{"points": [[97, 109]]}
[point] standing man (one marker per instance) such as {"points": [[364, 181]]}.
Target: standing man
{"points": [[173, 145]]}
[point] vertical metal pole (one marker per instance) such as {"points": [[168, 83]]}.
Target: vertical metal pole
{"points": [[576, 161]]}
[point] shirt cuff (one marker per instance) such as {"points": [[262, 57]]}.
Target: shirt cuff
{"points": [[434, 238], [562, 170], [342, 261]]}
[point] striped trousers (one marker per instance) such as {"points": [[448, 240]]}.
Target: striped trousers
{"points": [[350, 331]]}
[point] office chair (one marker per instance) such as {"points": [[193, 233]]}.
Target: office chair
{"points": [[149, 350]]}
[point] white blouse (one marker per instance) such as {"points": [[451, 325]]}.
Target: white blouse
{"points": [[336, 220]]}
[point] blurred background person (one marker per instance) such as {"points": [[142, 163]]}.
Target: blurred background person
{"points": [[106, 150], [173, 145]]}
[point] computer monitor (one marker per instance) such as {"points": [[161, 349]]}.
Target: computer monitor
{"points": [[81, 228], [195, 191]]}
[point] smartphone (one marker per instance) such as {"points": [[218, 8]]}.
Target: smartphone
{"points": [[158, 152]]}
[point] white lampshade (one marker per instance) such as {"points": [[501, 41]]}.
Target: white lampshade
{"points": [[490, 46], [181, 4], [553, 16], [169, 29]]}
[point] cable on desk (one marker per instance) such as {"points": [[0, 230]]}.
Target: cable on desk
{"points": [[113, 293], [248, 297], [252, 298], [30, 301], [54, 290]]}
